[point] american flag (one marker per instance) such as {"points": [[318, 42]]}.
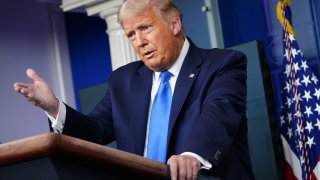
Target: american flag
{"points": [[300, 110]]}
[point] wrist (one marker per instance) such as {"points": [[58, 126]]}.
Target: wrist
{"points": [[53, 111]]}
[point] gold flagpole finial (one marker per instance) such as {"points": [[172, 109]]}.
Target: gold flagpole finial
{"points": [[282, 4]]}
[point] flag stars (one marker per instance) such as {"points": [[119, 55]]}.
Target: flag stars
{"points": [[308, 111], [309, 127], [289, 115], [297, 82], [304, 65], [317, 108], [301, 53], [310, 142], [302, 160], [306, 80], [317, 93], [282, 120], [299, 129], [287, 87], [307, 95], [298, 114], [299, 146], [291, 37], [296, 67], [288, 70], [318, 124], [289, 102], [289, 133], [294, 53], [286, 55], [314, 79], [297, 97]]}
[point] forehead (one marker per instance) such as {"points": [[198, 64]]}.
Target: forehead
{"points": [[143, 18]]}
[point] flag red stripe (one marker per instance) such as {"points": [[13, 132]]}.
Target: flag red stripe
{"points": [[288, 172]]}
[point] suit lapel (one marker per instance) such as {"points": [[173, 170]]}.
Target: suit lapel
{"points": [[188, 73], [141, 87]]}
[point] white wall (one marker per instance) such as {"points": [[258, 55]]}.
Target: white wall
{"points": [[31, 35]]}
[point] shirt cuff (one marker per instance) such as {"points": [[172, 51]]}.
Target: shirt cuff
{"points": [[205, 163], [57, 123]]}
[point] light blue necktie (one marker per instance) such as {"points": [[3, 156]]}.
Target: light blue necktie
{"points": [[159, 120]]}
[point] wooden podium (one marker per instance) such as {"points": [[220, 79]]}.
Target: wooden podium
{"points": [[56, 156]]}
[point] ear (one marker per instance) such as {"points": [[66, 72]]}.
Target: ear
{"points": [[176, 25]]}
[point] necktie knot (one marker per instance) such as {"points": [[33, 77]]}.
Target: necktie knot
{"points": [[165, 75]]}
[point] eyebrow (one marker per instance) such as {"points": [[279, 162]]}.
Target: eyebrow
{"points": [[139, 27]]}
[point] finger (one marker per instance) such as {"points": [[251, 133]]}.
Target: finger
{"points": [[25, 92], [182, 168], [29, 96], [173, 163], [32, 74], [189, 169], [192, 166], [195, 169], [19, 86]]}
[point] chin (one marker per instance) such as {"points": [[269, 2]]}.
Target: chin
{"points": [[157, 68], [153, 66]]}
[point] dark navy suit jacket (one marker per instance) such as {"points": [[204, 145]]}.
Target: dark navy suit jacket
{"points": [[207, 115]]}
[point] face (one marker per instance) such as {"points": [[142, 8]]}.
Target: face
{"points": [[157, 43]]}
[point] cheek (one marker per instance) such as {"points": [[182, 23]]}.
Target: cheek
{"points": [[165, 47], [136, 49]]}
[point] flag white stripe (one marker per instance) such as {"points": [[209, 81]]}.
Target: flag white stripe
{"points": [[316, 170], [291, 158]]}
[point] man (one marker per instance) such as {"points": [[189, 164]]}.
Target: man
{"points": [[206, 123]]}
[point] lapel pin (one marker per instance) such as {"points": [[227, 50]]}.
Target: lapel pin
{"points": [[191, 75]]}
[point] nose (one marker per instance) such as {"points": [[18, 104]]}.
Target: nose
{"points": [[141, 39]]}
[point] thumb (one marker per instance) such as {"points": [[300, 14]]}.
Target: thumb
{"points": [[32, 74]]}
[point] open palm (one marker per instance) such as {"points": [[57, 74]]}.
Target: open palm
{"points": [[39, 93]]}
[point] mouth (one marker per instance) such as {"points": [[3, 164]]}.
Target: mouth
{"points": [[148, 54]]}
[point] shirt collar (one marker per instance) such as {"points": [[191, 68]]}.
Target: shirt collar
{"points": [[175, 68]]}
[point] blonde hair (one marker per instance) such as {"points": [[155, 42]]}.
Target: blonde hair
{"points": [[166, 9]]}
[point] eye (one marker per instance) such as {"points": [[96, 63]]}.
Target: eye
{"points": [[146, 28], [131, 36]]}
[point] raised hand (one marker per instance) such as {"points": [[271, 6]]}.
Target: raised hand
{"points": [[39, 93]]}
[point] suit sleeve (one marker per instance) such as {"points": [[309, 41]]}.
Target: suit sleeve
{"points": [[96, 127], [221, 126]]}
